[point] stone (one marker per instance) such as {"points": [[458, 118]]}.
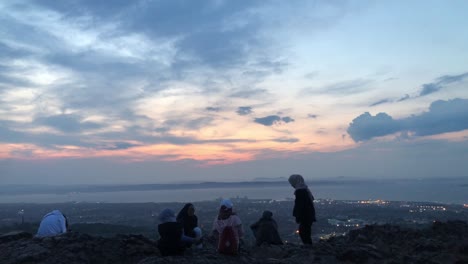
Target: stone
{"points": [[14, 235]]}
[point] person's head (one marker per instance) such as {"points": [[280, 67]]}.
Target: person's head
{"points": [[167, 215], [267, 214], [225, 210], [191, 210], [187, 210], [296, 180], [226, 203]]}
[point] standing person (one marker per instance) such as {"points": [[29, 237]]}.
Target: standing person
{"points": [[189, 221], [266, 230], [52, 224], [228, 227], [304, 210], [172, 240]]}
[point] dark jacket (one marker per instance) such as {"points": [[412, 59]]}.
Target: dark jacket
{"points": [[266, 231], [170, 242], [304, 210]]}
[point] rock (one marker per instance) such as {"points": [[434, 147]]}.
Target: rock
{"points": [[14, 235], [442, 243]]}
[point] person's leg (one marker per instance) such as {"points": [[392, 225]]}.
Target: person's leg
{"points": [[305, 232], [198, 235]]}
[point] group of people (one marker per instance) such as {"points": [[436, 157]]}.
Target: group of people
{"points": [[180, 232]]}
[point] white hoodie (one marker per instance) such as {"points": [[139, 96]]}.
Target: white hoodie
{"points": [[52, 224]]}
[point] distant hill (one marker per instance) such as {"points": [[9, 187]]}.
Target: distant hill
{"points": [[47, 189], [272, 179]]}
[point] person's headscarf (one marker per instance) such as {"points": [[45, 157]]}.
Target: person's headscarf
{"points": [[167, 215], [297, 181], [267, 215], [183, 212], [225, 211]]}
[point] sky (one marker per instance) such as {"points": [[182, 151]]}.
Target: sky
{"points": [[174, 91]]}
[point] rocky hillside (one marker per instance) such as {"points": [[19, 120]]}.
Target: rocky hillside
{"points": [[442, 243]]}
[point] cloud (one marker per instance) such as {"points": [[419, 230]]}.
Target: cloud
{"points": [[272, 120], [199, 122], [311, 75], [249, 93], [442, 117], [286, 140], [120, 145], [9, 135], [313, 116], [429, 88], [186, 123], [366, 126], [441, 82], [244, 110], [68, 123], [213, 109], [406, 97], [341, 88], [383, 101], [112, 55], [321, 131], [268, 120]]}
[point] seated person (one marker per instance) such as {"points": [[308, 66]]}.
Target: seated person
{"points": [[52, 224], [266, 230], [189, 221], [172, 240], [228, 227]]}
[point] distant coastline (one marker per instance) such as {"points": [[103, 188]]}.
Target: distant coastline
{"points": [[256, 183], [48, 189]]}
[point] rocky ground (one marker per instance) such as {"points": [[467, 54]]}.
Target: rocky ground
{"points": [[442, 243]]}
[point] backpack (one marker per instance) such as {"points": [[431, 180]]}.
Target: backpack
{"points": [[228, 243]]}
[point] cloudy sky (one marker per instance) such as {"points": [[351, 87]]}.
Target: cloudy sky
{"points": [[166, 91]]}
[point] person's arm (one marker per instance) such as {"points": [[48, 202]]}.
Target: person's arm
{"points": [[238, 224], [187, 239]]}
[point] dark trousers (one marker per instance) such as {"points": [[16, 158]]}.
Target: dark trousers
{"points": [[305, 232]]}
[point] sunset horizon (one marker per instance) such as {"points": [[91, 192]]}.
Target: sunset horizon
{"points": [[178, 91]]}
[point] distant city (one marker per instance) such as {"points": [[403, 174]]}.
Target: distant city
{"points": [[438, 190]]}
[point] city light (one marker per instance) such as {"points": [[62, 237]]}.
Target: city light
{"points": [[373, 202]]}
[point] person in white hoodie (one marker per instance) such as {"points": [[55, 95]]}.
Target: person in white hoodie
{"points": [[52, 224]]}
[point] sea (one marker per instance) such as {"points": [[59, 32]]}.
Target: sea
{"points": [[440, 191]]}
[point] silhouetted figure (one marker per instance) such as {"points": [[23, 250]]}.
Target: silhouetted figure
{"points": [[189, 221], [52, 224], [304, 210], [227, 226], [266, 230], [172, 240]]}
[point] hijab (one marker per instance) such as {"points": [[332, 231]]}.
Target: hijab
{"points": [[297, 181], [167, 215], [225, 211]]}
